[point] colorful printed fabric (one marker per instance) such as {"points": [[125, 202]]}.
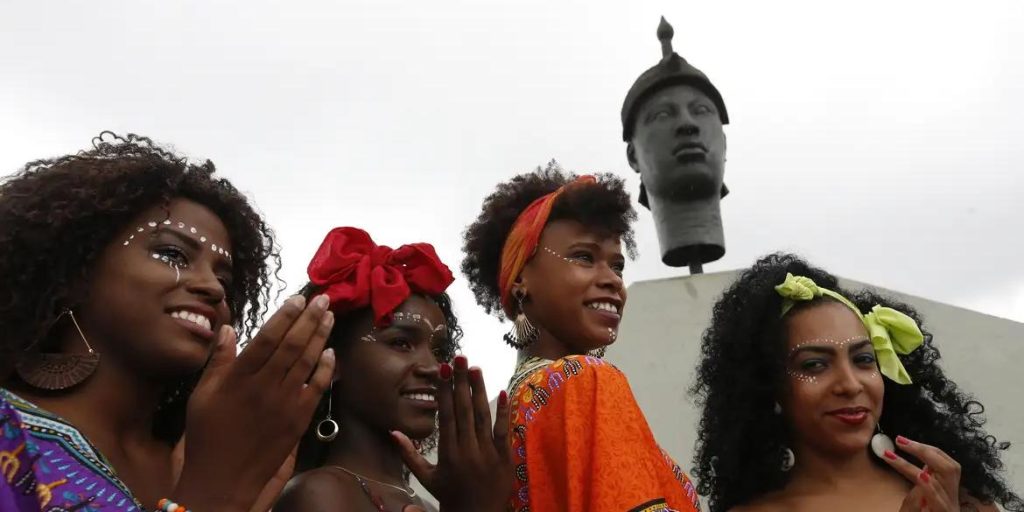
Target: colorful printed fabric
{"points": [[581, 443], [47, 465]]}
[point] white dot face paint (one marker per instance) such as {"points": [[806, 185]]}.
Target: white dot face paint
{"points": [[559, 256], [181, 226], [401, 316], [807, 378]]}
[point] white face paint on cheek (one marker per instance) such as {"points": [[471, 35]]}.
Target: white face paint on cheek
{"points": [[801, 378]]}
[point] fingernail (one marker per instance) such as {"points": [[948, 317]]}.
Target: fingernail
{"points": [[902, 440], [298, 301], [925, 477], [446, 371], [889, 454], [321, 302], [328, 320], [502, 398], [924, 502], [475, 371], [461, 362], [329, 354]]}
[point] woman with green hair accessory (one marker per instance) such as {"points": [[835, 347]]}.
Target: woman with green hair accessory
{"points": [[800, 381]]}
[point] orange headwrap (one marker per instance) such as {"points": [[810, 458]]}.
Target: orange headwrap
{"points": [[525, 235]]}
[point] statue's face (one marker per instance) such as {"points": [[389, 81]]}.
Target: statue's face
{"points": [[678, 145]]}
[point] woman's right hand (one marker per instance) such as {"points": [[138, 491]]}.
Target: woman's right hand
{"points": [[474, 470], [248, 412], [936, 486]]}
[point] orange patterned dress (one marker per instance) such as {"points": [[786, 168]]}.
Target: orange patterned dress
{"points": [[580, 443]]}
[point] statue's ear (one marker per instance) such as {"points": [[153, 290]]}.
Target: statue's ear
{"points": [[631, 157], [725, 190]]}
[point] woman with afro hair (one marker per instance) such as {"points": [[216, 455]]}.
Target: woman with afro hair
{"points": [[547, 253], [802, 384], [126, 272]]}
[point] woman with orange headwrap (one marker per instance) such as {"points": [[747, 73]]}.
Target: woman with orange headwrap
{"points": [[546, 251]]}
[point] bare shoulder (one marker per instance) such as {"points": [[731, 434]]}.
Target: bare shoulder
{"points": [[317, 490]]}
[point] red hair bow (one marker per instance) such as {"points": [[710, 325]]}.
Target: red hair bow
{"points": [[355, 272]]}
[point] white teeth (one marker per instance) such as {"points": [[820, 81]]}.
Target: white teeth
{"points": [[604, 306], [197, 319], [420, 396]]}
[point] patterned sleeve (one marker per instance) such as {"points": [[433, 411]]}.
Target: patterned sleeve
{"points": [[18, 491], [583, 444]]}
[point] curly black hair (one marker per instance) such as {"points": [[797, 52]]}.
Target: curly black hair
{"points": [[313, 453], [57, 215], [741, 439], [605, 208]]}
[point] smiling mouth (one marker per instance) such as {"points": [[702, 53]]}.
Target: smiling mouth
{"points": [[851, 415], [197, 324], [195, 318], [607, 307], [420, 397]]}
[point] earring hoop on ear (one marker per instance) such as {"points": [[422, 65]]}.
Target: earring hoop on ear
{"points": [[327, 429]]}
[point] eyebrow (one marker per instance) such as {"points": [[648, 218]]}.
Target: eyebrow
{"points": [[827, 349], [594, 246], [191, 242]]}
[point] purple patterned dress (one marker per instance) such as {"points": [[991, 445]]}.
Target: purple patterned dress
{"points": [[47, 465]]}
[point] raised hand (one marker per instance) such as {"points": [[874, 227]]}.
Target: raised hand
{"points": [[248, 412], [474, 471], [936, 485]]}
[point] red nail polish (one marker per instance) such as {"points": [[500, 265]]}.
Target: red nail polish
{"points": [[461, 362], [902, 440], [925, 477], [503, 398], [924, 502], [889, 454], [446, 371]]}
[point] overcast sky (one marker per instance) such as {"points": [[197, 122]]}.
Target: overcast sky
{"points": [[881, 139]]}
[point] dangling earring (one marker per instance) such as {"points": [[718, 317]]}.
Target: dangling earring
{"points": [[523, 332], [881, 443], [58, 371], [328, 429], [788, 459]]}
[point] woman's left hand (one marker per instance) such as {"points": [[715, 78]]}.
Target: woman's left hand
{"points": [[936, 485], [474, 470]]}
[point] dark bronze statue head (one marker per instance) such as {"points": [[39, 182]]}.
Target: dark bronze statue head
{"points": [[672, 120]]}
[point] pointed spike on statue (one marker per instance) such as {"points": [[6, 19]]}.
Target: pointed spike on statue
{"points": [[665, 34]]}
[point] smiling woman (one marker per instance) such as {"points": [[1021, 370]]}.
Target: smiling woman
{"points": [[802, 383], [547, 252], [126, 270]]}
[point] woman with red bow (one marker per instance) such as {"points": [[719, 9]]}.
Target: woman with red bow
{"points": [[396, 338], [546, 251]]}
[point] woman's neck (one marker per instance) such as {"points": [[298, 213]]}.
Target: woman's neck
{"points": [[367, 451], [546, 346], [817, 472], [114, 405]]}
